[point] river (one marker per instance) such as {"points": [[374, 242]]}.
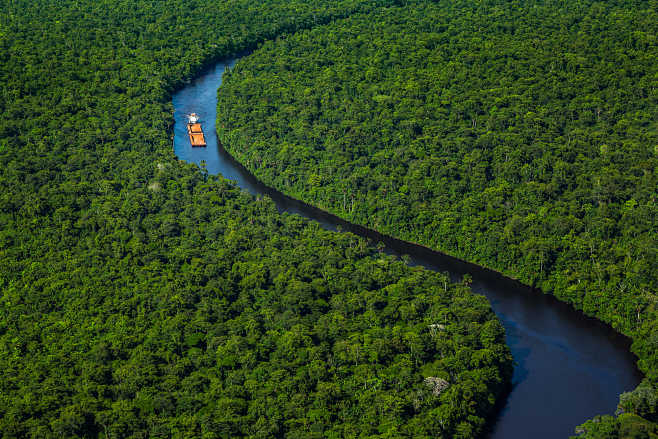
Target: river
{"points": [[569, 367]]}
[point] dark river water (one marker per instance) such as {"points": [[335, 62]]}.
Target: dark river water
{"points": [[568, 367]]}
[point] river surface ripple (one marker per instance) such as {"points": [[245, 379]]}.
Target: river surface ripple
{"points": [[568, 367]]}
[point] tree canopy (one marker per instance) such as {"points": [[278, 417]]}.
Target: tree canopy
{"points": [[519, 136], [141, 297]]}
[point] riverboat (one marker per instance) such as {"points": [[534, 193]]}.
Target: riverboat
{"points": [[195, 131]]}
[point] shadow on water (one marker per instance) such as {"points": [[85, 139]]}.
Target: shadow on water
{"points": [[569, 367]]}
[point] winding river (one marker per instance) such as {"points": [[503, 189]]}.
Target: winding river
{"points": [[568, 367]]}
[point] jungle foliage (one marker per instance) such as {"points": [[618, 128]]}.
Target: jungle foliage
{"points": [[522, 136], [195, 311], [141, 297]]}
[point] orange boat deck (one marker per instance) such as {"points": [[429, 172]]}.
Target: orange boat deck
{"points": [[196, 134]]}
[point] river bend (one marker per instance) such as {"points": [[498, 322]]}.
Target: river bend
{"points": [[569, 367]]}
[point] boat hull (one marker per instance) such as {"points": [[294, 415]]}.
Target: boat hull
{"points": [[195, 133]]}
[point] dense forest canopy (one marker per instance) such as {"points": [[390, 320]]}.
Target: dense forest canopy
{"points": [[213, 316], [141, 297], [520, 136]]}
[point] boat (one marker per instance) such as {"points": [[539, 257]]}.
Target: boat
{"points": [[195, 131]]}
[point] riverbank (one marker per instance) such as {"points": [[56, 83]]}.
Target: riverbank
{"points": [[404, 122], [569, 367]]}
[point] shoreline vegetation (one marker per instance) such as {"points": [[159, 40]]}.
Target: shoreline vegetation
{"points": [[143, 297], [399, 245], [127, 278], [546, 172]]}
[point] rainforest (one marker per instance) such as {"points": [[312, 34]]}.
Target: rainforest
{"points": [[143, 296]]}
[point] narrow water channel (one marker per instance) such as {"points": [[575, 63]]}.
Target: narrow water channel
{"points": [[569, 367]]}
